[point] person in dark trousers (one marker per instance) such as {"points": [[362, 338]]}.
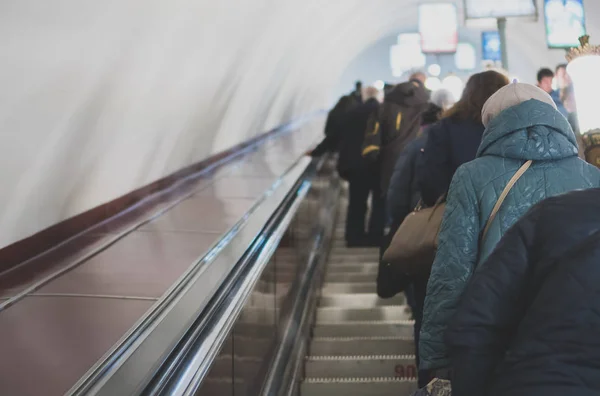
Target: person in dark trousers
{"points": [[545, 78], [529, 321], [455, 139], [362, 176], [402, 197]]}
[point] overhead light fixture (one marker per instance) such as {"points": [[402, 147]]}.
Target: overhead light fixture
{"points": [[584, 63], [379, 84], [435, 70], [433, 83], [455, 85]]}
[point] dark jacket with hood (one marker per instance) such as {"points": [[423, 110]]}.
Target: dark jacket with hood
{"points": [[531, 130], [393, 126], [351, 162], [402, 197], [403, 191], [529, 321], [450, 144]]}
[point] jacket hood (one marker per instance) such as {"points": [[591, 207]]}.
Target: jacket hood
{"points": [[531, 130], [408, 94]]}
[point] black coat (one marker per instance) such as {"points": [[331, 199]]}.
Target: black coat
{"points": [[450, 144], [334, 125], [403, 192], [351, 162], [396, 124], [529, 321], [401, 198]]}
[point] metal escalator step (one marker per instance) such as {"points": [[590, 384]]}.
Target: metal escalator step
{"points": [[358, 387], [357, 346], [346, 277], [348, 287], [343, 250], [351, 259], [359, 300], [353, 268], [361, 366], [341, 314], [400, 328], [353, 256]]}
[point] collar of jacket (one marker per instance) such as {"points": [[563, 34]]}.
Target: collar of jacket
{"points": [[531, 130]]}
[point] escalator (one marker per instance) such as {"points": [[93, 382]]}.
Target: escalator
{"points": [[360, 345], [276, 306]]}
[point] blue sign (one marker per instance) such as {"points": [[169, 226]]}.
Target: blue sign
{"points": [[565, 22], [492, 46]]}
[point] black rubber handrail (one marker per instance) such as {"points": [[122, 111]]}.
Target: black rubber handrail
{"points": [[173, 378]]}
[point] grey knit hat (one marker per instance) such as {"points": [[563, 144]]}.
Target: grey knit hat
{"points": [[512, 95]]}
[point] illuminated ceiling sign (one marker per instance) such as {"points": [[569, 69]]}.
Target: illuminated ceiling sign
{"points": [[499, 8], [438, 25], [565, 22], [406, 55], [491, 46]]}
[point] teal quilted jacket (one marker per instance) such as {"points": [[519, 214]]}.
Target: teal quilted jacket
{"points": [[531, 130]]}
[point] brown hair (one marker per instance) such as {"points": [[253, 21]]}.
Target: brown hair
{"points": [[477, 91]]}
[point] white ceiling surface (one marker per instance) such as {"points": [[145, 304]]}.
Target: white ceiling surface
{"points": [[99, 98]]}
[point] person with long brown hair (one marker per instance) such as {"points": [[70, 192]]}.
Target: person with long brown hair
{"points": [[455, 139]]}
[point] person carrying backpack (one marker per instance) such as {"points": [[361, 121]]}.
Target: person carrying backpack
{"points": [[395, 124]]}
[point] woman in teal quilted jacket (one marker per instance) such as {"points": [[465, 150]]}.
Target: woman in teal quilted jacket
{"points": [[522, 123]]}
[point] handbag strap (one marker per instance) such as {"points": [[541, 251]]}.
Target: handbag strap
{"points": [[502, 196]]}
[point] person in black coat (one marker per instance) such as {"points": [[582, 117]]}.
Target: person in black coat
{"points": [[334, 125], [402, 197], [456, 138], [363, 177], [529, 321]]}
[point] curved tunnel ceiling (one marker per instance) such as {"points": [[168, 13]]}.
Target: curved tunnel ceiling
{"points": [[100, 98]]}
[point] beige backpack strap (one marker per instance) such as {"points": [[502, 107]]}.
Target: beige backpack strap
{"points": [[502, 196]]}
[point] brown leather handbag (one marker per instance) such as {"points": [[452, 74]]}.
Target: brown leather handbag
{"points": [[414, 245]]}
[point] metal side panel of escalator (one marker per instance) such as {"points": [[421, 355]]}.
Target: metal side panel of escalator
{"points": [[295, 312]]}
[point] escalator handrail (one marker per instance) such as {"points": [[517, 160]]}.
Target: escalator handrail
{"points": [[133, 364], [193, 359]]}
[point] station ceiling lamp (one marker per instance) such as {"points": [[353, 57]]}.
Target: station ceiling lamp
{"points": [[584, 63]]}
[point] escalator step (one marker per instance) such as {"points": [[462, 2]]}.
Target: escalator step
{"points": [[361, 366], [353, 268], [346, 277], [365, 329], [359, 300], [358, 387], [348, 287], [357, 346], [342, 314]]}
